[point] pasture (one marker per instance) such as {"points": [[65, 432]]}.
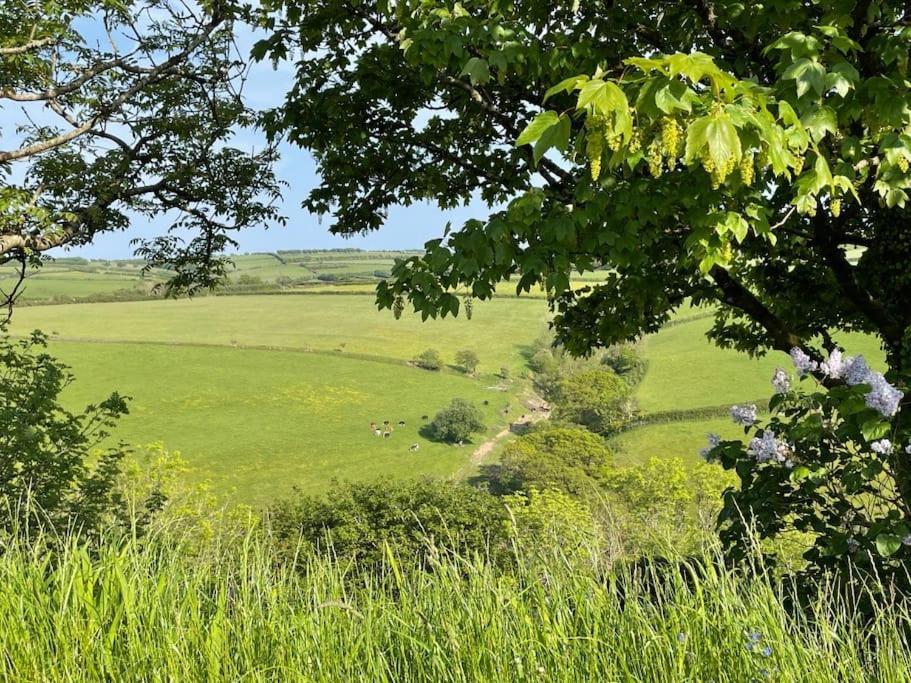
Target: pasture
{"points": [[296, 410]]}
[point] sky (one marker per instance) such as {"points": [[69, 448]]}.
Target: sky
{"points": [[406, 227]]}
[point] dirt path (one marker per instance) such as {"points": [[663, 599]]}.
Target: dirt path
{"points": [[481, 452]]}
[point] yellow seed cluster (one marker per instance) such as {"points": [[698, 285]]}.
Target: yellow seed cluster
{"points": [[746, 169], [635, 142], [762, 159], [655, 158], [718, 173], [798, 165], [469, 306], [835, 207], [671, 140], [398, 307], [614, 141], [594, 148], [902, 164]]}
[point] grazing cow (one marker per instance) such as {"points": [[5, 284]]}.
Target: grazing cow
{"points": [[401, 423], [413, 447], [425, 417], [486, 402], [386, 435], [377, 432]]}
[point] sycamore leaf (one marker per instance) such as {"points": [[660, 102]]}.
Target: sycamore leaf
{"points": [[566, 85], [718, 134], [477, 70], [553, 136], [534, 130], [808, 75], [821, 121], [603, 96]]}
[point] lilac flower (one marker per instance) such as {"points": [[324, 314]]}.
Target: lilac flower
{"points": [[768, 447], [853, 545], [835, 365], [802, 361], [882, 447], [706, 452], [744, 415], [781, 382], [906, 540], [908, 449], [856, 370], [883, 397]]}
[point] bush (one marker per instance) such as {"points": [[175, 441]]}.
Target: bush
{"points": [[625, 360], [45, 451], [468, 361], [504, 373], [429, 360], [357, 521], [565, 458], [596, 399], [665, 505], [547, 522], [457, 422]]}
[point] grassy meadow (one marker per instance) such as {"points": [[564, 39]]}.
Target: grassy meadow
{"points": [[312, 367]]}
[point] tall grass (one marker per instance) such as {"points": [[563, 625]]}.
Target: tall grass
{"points": [[152, 612]]}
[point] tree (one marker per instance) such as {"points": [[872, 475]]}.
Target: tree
{"points": [[117, 109], [753, 161], [457, 422], [564, 458], [429, 360], [598, 400], [468, 361], [49, 475]]}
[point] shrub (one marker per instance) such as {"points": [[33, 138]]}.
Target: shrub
{"points": [[429, 360], [46, 478], [831, 462], [626, 361], [596, 399], [665, 505], [504, 373], [468, 361], [357, 521], [457, 422], [549, 521], [566, 458]]}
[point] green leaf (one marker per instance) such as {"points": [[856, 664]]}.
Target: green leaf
{"points": [[534, 130], [672, 96], [571, 83], [554, 136], [808, 74], [888, 544], [477, 70], [602, 96], [716, 132], [820, 121], [874, 429]]}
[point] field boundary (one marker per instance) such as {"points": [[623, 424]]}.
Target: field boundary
{"points": [[354, 355], [687, 414]]}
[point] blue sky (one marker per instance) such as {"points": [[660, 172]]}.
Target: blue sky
{"points": [[406, 227]]}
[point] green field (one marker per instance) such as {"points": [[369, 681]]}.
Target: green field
{"points": [[296, 410], [260, 389]]}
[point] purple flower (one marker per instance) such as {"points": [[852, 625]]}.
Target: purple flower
{"points": [[856, 370], [706, 452], [744, 415], [767, 447], [853, 545], [802, 362], [882, 447], [906, 540], [835, 365], [883, 397], [781, 382]]}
